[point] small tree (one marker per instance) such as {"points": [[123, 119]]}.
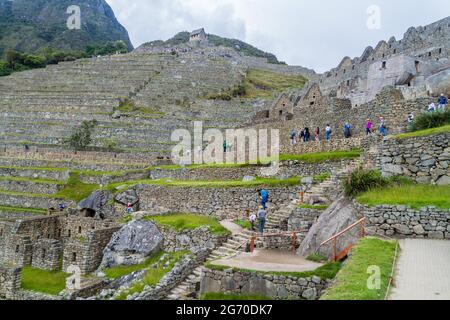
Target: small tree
{"points": [[82, 137]]}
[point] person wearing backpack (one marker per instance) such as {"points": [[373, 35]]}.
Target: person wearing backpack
{"points": [[262, 215], [293, 137]]}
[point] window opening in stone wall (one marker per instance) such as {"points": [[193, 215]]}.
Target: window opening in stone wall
{"points": [[79, 229], [383, 65], [69, 233], [17, 248], [74, 257], [43, 253]]}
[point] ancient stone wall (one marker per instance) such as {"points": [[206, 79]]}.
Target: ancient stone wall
{"points": [[219, 202], [424, 159], [86, 252], [190, 240], [272, 286], [402, 221], [10, 281]]}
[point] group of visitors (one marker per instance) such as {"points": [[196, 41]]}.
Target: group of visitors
{"points": [[261, 215], [304, 135], [382, 128], [441, 106]]}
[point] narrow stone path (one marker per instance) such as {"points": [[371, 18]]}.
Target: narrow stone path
{"points": [[422, 271]]}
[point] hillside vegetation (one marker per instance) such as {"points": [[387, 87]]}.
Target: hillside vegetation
{"points": [[238, 45]]}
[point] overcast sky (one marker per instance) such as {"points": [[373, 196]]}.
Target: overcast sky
{"points": [[315, 34]]}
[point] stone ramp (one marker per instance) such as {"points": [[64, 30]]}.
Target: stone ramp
{"points": [[269, 260], [422, 270]]}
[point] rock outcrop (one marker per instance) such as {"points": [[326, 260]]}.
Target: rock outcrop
{"points": [[132, 244], [336, 218]]}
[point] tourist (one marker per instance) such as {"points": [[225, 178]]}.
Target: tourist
{"points": [[328, 132], [264, 195], [307, 135], [302, 135], [252, 220], [369, 126], [382, 127], [61, 207], [293, 137], [129, 208], [225, 146], [347, 130], [410, 120], [317, 134], [262, 215], [431, 107], [443, 102]]}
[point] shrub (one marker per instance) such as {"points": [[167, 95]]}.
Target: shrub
{"points": [[431, 120], [4, 69], [82, 137], [362, 180]]}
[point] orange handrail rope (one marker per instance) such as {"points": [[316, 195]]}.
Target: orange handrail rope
{"points": [[341, 255]]}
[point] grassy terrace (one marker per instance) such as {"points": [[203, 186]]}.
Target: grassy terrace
{"points": [[314, 207], [263, 84], [22, 210], [270, 182], [49, 282], [424, 133], [414, 195], [155, 271], [351, 282], [22, 179], [181, 222], [327, 271]]}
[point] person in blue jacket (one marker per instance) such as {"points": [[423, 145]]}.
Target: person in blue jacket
{"points": [[264, 194], [443, 102]]}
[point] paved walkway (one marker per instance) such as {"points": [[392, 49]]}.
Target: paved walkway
{"points": [[423, 270], [269, 260]]}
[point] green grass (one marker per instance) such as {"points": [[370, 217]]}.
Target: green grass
{"points": [[321, 156], [24, 179], [315, 257], [423, 133], [244, 223], [22, 210], [154, 274], [76, 190], [414, 195], [49, 282], [327, 271], [315, 207], [322, 177], [181, 222], [263, 84], [351, 282], [219, 296], [269, 182], [34, 168]]}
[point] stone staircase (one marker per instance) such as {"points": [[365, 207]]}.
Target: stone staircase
{"points": [[327, 191], [278, 218], [188, 289]]}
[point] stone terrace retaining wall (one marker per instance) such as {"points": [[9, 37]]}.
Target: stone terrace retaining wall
{"points": [[81, 156], [220, 202], [424, 159], [10, 280], [321, 146], [401, 221], [190, 240], [275, 287]]}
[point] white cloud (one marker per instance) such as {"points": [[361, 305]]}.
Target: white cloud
{"points": [[314, 34]]}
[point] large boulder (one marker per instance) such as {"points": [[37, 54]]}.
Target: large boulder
{"points": [[132, 244], [336, 218], [95, 204], [128, 196]]}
